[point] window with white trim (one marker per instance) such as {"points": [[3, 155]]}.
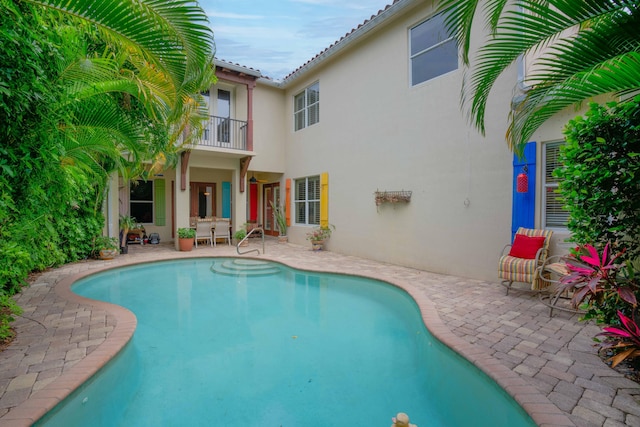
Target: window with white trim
{"points": [[141, 201], [433, 50], [307, 200], [306, 107], [554, 215]]}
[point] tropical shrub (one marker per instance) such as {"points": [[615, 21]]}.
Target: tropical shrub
{"points": [[599, 179], [624, 340], [105, 242], [186, 233], [281, 219], [601, 284], [608, 290], [85, 93], [320, 234], [8, 308], [240, 234]]}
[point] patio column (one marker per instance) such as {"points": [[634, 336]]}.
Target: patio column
{"points": [[239, 207], [111, 208], [181, 203]]}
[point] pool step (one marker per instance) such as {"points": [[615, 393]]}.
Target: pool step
{"points": [[247, 267]]}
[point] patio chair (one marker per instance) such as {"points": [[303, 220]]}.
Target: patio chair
{"points": [[525, 258], [203, 232], [551, 273], [221, 230]]}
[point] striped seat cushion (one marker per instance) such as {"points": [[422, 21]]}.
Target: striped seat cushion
{"points": [[517, 269]]}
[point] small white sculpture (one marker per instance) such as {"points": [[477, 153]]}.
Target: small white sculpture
{"points": [[401, 420]]}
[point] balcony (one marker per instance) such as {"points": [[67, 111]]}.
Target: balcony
{"points": [[223, 132]]}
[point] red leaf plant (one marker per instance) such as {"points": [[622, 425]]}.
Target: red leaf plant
{"points": [[593, 277], [625, 340]]}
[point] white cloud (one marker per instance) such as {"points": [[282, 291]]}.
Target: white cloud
{"points": [[277, 36], [230, 15]]}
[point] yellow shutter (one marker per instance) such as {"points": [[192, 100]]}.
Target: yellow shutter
{"points": [[324, 200]]}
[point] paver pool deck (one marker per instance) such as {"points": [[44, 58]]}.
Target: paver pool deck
{"points": [[548, 364]]}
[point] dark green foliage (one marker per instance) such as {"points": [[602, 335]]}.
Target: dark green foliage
{"points": [[29, 58], [8, 308], [600, 177], [600, 284], [47, 215], [600, 183], [84, 94]]}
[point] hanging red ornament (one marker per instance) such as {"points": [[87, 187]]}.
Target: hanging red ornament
{"points": [[522, 183]]}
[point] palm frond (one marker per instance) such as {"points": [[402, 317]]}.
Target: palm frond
{"points": [[458, 21], [519, 32], [173, 35], [616, 75]]}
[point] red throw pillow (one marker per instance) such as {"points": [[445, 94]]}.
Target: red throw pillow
{"points": [[526, 247]]}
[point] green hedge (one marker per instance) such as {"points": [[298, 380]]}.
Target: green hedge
{"points": [[600, 176]]}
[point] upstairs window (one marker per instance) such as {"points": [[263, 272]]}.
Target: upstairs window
{"points": [[433, 50], [306, 107], [307, 200], [554, 215], [141, 201]]}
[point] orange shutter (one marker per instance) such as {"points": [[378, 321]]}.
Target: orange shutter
{"points": [[287, 201]]}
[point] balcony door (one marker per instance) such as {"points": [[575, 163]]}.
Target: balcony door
{"points": [[270, 194], [203, 199], [223, 124]]}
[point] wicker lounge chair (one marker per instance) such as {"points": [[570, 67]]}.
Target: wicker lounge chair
{"points": [[524, 260]]}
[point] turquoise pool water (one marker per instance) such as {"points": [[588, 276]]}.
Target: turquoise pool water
{"points": [[235, 342]]}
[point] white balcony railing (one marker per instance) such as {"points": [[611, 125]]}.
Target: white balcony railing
{"points": [[224, 132]]}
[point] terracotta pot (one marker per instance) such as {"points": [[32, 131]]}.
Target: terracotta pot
{"points": [[186, 244], [283, 239], [317, 245], [108, 253]]}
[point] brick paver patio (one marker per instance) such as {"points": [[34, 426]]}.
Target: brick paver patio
{"points": [[62, 339]]}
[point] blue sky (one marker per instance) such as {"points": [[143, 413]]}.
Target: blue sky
{"points": [[278, 36]]}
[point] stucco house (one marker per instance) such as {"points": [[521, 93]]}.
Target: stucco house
{"points": [[377, 111]]}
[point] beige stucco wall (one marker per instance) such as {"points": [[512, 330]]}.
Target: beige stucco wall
{"points": [[268, 130], [376, 132]]}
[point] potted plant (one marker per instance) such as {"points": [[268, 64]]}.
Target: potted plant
{"points": [[281, 221], [106, 247], [126, 223], [319, 235], [186, 237], [239, 235]]}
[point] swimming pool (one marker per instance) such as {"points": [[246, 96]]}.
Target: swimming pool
{"points": [[274, 346]]}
